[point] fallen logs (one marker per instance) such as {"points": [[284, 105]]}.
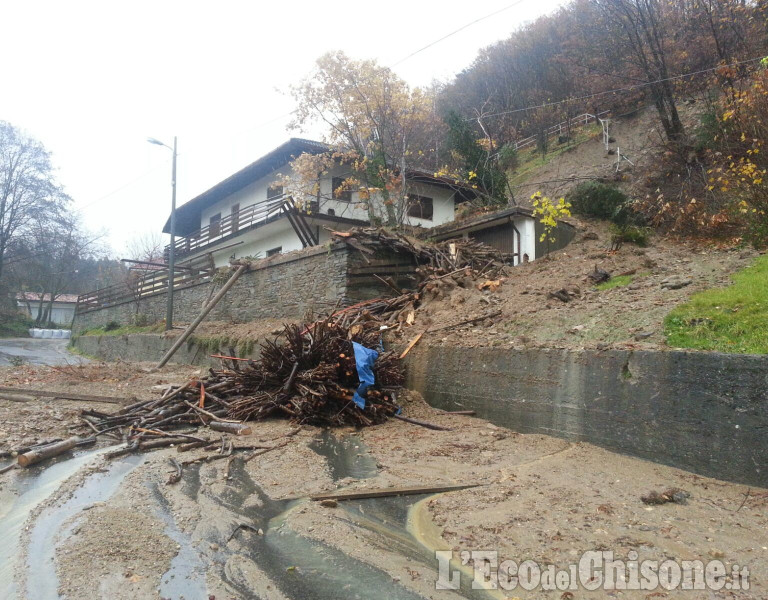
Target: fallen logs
{"points": [[45, 452], [233, 428]]}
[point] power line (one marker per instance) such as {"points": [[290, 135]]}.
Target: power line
{"points": [[232, 139], [617, 90], [124, 186], [462, 28]]}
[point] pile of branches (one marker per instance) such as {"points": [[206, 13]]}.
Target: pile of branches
{"points": [[442, 265], [307, 374], [310, 375], [438, 258]]}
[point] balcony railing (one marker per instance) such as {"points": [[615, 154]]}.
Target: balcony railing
{"points": [[245, 218]]}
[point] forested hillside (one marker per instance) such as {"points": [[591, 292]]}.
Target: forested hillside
{"points": [[691, 72], [698, 65]]}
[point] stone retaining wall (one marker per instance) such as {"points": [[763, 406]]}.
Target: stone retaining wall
{"points": [[292, 286]]}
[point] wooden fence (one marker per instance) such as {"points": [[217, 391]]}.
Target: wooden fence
{"points": [[561, 128], [135, 286]]}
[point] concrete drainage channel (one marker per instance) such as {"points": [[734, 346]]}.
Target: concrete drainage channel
{"points": [[284, 559]]}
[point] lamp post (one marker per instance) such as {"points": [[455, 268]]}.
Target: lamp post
{"points": [[172, 250]]}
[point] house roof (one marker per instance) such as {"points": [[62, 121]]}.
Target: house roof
{"points": [[478, 222], [188, 214], [35, 297]]}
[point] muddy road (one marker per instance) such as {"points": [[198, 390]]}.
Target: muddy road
{"points": [[84, 527], [35, 351]]}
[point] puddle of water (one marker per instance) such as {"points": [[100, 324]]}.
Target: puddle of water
{"points": [[33, 486], [186, 576], [403, 525], [301, 567], [400, 524], [347, 456], [42, 582]]}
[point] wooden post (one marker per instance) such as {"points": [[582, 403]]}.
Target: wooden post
{"points": [[208, 308]]}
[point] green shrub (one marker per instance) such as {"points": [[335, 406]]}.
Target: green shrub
{"points": [[141, 320], [13, 324], [705, 135], [111, 326], [632, 234], [595, 199]]}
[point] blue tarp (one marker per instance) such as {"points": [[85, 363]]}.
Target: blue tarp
{"points": [[364, 358]]}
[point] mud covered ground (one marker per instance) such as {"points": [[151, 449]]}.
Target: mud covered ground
{"points": [[89, 528]]}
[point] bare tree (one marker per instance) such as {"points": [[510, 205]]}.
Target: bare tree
{"points": [[64, 246], [147, 247], [27, 187]]}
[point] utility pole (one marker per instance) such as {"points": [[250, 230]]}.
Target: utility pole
{"points": [[172, 249]]}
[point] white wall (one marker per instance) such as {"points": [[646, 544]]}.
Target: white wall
{"points": [[257, 241], [442, 198], [62, 313], [527, 228]]}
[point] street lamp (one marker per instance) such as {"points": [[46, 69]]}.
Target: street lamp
{"points": [[172, 250]]}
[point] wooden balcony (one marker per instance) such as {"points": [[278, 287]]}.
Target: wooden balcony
{"points": [[229, 226]]}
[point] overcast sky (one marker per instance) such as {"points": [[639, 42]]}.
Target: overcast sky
{"points": [[93, 79]]}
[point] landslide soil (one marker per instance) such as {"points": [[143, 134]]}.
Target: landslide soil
{"points": [[628, 316], [538, 497]]}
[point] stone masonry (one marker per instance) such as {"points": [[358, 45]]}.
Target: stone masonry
{"points": [[292, 285]]}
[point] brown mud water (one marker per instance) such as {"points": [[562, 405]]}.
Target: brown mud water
{"points": [[34, 486], [266, 556]]}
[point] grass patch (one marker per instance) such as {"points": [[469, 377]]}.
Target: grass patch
{"points": [[72, 349], [531, 160], [124, 329], [731, 319], [222, 344], [619, 281], [615, 282], [15, 325]]}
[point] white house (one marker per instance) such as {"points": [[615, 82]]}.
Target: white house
{"points": [[248, 215], [62, 310]]}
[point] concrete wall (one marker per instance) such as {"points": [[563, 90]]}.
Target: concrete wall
{"points": [[703, 412], [151, 347]]}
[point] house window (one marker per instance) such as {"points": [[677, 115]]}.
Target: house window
{"points": [[340, 194], [274, 191], [420, 207], [234, 216], [273, 251], [214, 225]]}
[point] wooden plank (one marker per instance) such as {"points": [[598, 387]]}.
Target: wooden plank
{"points": [[390, 492], [64, 395], [411, 345]]}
